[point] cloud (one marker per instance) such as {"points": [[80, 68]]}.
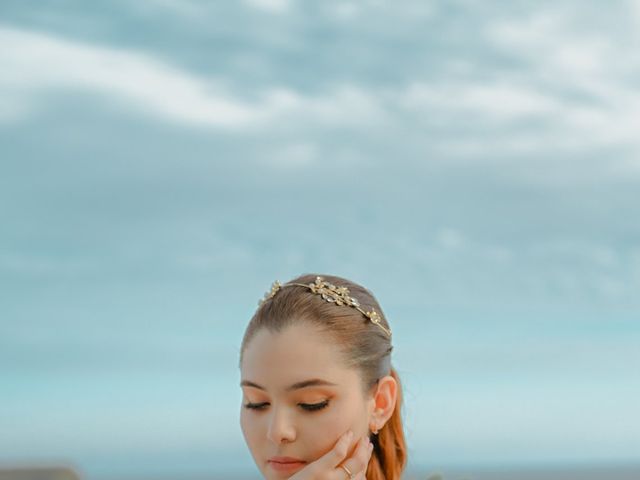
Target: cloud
{"points": [[634, 6], [14, 107], [549, 37], [189, 9], [273, 6], [500, 101], [450, 239], [42, 265], [583, 74], [570, 97], [295, 155], [525, 116], [40, 63]]}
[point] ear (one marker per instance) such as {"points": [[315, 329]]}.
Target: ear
{"points": [[384, 401]]}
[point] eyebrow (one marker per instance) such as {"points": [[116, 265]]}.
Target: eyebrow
{"points": [[314, 382]]}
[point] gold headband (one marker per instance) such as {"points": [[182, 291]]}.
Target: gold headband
{"points": [[332, 294]]}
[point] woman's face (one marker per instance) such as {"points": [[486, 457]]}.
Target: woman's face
{"points": [[293, 419]]}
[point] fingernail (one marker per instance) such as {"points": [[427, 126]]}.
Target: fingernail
{"points": [[349, 434], [370, 446]]}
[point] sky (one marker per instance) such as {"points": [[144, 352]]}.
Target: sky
{"points": [[475, 164]]}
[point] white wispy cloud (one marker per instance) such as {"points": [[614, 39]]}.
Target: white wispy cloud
{"points": [[275, 6], [583, 73], [500, 101], [295, 155], [609, 117], [568, 90], [634, 7], [36, 62], [39, 63], [189, 9]]}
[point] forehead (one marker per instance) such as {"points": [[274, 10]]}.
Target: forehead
{"points": [[297, 353]]}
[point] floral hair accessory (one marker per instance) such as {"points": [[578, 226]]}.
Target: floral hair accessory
{"points": [[331, 293]]}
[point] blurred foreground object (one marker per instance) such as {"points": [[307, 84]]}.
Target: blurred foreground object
{"points": [[38, 473]]}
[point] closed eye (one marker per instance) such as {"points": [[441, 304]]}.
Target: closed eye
{"points": [[311, 407], [314, 406], [255, 406]]}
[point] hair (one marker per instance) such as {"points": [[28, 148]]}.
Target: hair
{"points": [[365, 347]]}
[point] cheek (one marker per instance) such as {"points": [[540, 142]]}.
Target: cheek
{"points": [[334, 424], [250, 430]]}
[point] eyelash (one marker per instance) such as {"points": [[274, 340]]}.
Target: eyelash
{"points": [[311, 407]]}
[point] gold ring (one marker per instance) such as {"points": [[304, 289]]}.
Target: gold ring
{"points": [[351, 475]]}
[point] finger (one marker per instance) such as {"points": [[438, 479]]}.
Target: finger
{"points": [[359, 461], [361, 475], [337, 454]]}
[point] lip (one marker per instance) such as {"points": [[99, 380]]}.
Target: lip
{"points": [[285, 464]]}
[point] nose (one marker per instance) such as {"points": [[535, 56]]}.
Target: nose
{"points": [[281, 428]]}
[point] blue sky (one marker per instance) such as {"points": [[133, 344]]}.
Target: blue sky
{"points": [[475, 164]]}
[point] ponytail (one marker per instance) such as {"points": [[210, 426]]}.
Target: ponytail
{"points": [[389, 456]]}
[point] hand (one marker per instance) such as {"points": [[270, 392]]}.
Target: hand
{"points": [[328, 467]]}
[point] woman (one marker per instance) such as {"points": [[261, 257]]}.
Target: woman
{"points": [[320, 397]]}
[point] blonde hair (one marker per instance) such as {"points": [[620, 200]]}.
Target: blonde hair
{"points": [[365, 346]]}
